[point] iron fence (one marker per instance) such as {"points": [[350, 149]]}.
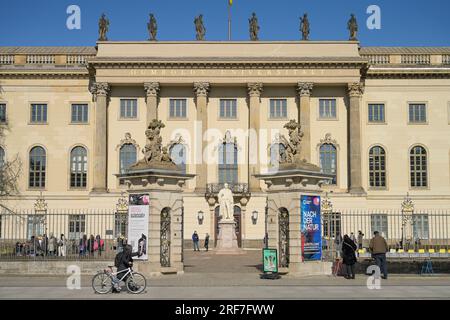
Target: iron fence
{"points": [[62, 234], [426, 231]]}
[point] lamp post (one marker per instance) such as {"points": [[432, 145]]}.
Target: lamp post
{"points": [[254, 216], [407, 211], [200, 217]]}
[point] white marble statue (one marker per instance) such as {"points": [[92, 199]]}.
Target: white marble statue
{"points": [[226, 202]]}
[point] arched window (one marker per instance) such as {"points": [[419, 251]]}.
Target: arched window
{"points": [[178, 155], [418, 167], [127, 157], [328, 160], [37, 168], [276, 153], [377, 167], [78, 167], [2, 157], [228, 159]]}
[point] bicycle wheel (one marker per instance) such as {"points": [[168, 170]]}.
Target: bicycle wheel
{"points": [[102, 283], [136, 283]]}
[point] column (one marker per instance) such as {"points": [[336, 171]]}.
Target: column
{"points": [[201, 90], [304, 90], [100, 92], [254, 93], [151, 96], [355, 91]]}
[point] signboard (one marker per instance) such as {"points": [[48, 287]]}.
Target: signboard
{"points": [[270, 260], [310, 227], [138, 211]]}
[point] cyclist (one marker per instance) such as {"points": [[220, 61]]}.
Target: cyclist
{"points": [[125, 262]]}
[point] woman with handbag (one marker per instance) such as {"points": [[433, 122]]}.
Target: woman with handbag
{"points": [[349, 256]]}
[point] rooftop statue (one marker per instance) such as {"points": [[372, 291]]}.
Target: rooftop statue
{"points": [[103, 27], [152, 27], [254, 27], [352, 26], [199, 28], [304, 27]]}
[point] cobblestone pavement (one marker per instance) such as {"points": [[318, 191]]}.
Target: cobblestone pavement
{"points": [[210, 276]]}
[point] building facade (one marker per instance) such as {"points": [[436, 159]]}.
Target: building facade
{"points": [[378, 118]]}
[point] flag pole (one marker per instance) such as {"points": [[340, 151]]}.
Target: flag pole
{"points": [[229, 21]]}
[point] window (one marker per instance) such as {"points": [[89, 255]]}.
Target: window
{"points": [[77, 226], [178, 155], [278, 108], [127, 157], [2, 157], [418, 167], [2, 112], [120, 224], [228, 168], [379, 222], [39, 113], [37, 168], [78, 167], [332, 225], [327, 109], [417, 113], [420, 226], [376, 113], [228, 108], [328, 160], [35, 225], [128, 108], [377, 167], [177, 108], [79, 113], [276, 154]]}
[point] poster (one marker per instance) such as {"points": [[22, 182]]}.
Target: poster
{"points": [[310, 227], [270, 260], [138, 211]]}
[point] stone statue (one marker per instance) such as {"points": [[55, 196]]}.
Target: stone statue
{"points": [[103, 26], [352, 26], [200, 28], [254, 27], [226, 202], [152, 27], [304, 27], [293, 148]]}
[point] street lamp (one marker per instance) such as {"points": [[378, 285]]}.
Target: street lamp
{"points": [[254, 216], [200, 217]]}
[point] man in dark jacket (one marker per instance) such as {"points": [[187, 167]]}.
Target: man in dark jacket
{"points": [[349, 256], [378, 247], [126, 261], [195, 240]]}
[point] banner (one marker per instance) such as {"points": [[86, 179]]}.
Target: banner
{"points": [[270, 260], [138, 211], [310, 227]]}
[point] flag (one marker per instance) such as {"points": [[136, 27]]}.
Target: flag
{"points": [[230, 2]]}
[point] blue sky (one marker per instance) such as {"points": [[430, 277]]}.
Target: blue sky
{"points": [[403, 22]]}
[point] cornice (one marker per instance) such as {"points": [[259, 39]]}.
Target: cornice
{"points": [[408, 73], [43, 74]]}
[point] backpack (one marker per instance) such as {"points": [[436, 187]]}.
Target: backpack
{"points": [[117, 259]]}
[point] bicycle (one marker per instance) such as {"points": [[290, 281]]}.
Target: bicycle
{"points": [[104, 281]]}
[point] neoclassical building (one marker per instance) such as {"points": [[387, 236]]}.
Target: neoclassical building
{"points": [[377, 118]]}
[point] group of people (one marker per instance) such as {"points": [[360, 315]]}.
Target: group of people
{"points": [[43, 246], [196, 241], [91, 246], [377, 247]]}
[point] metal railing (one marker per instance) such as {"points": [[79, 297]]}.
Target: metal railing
{"points": [[37, 236], [421, 232]]}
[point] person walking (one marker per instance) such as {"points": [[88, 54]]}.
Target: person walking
{"points": [[195, 239], [90, 245], [52, 245], [349, 257], [83, 245], [360, 239], [98, 244], [62, 245], [206, 241], [378, 248]]}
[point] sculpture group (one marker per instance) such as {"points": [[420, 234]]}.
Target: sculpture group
{"points": [[200, 30]]}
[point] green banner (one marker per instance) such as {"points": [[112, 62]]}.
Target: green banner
{"points": [[270, 260]]}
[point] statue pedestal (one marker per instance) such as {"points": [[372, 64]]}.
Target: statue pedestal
{"points": [[227, 239]]}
